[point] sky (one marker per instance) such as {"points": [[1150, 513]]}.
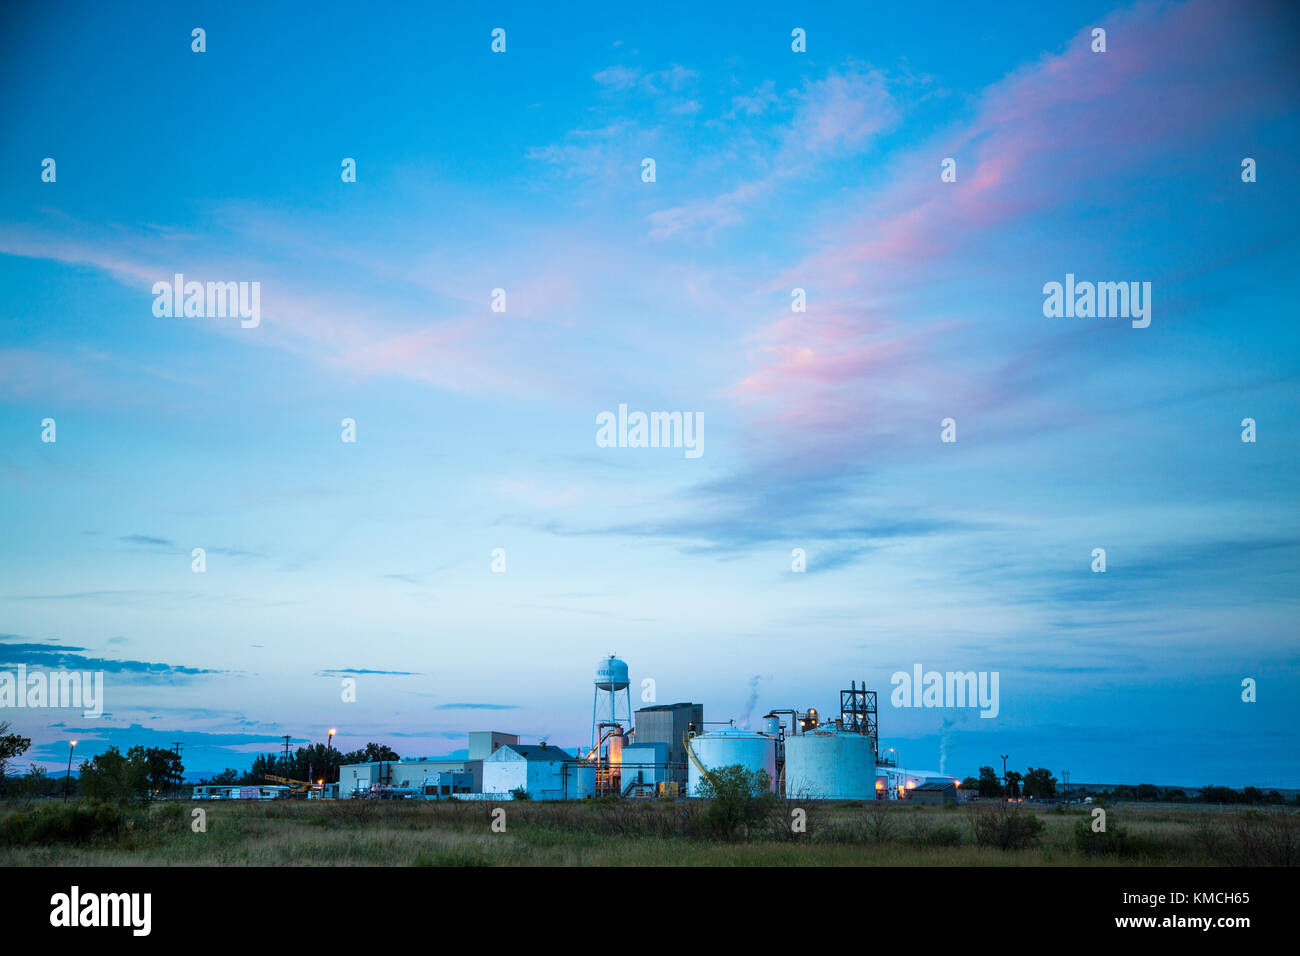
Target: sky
{"points": [[774, 170]]}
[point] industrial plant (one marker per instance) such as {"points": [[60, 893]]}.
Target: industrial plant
{"points": [[663, 750]]}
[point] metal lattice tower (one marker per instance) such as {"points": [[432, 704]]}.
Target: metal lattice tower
{"points": [[858, 711]]}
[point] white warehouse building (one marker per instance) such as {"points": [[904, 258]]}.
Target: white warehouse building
{"points": [[547, 773]]}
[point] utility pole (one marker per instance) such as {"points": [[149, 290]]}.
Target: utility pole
{"points": [[176, 786], [329, 771], [67, 779], [1004, 778]]}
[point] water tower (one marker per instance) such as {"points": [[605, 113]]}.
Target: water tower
{"points": [[606, 708]]}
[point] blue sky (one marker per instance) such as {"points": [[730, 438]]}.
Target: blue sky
{"points": [[774, 170]]}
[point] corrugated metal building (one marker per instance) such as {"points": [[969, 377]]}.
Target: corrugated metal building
{"points": [[360, 777], [484, 743], [933, 794], [644, 763], [667, 724], [542, 770]]}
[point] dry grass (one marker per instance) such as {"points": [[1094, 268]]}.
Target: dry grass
{"points": [[414, 833]]}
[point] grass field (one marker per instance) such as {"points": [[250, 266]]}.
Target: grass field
{"points": [[416, 833]]}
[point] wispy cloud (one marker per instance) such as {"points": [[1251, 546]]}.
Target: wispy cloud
{"points": [[834, 116], [15, 650], [477, 707]]}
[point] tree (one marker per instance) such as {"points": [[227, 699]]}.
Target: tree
{"points": [[316, 762], [1213, 794], [114, 778], [1039, 783], [989, 784], [971, 784], [227, 776], [371, 753], [1013, 784], [263, 764], [11, 746], [37, 783], [163, 768]]}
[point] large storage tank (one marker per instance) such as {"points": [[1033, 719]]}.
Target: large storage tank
{"points": [[581, 781], [830, 764], [728, 746]]}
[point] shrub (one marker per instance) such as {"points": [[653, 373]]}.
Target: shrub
{"points": [[169, 815], [945, 834], [1005, 827], [1112, 840], [519, 793], [1266, 839], [878, 826], [66, 823], [782, 816], [737, 799]]}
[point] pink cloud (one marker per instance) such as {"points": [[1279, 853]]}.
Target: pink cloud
{"points": [[1172, 74], [1039, 140], [473, 351]]}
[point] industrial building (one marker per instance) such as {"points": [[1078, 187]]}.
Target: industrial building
{"points": [[211, 791], [544, 772], [936, 793], [808, 758], [646, 767], [400, 777], [425, 777], [670, 725], [662, 750]]}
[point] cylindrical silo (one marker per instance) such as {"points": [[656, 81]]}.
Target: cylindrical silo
{"points": [[581, 782], [830, 764], [729, 746]]}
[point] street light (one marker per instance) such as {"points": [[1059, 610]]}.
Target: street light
{"points": [[1004, 777], [67, 779], [328, 742]]}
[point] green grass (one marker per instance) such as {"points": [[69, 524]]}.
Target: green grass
{"points": [[416, 833]]}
